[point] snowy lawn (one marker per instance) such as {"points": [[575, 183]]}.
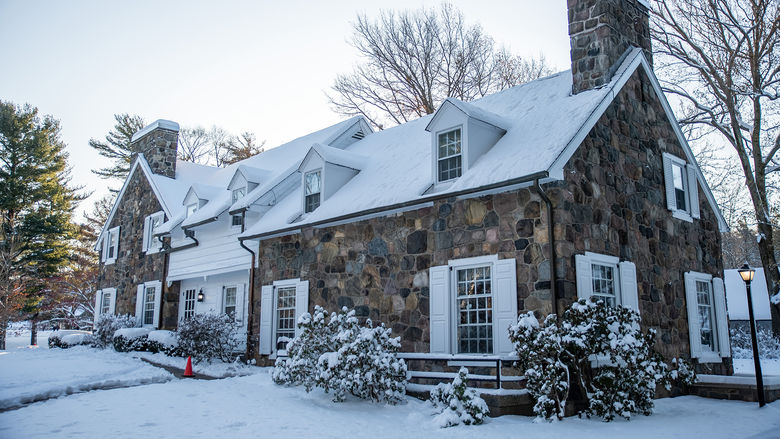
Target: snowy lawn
{"points": [[745, 366], [35, 373], [252, 406]]}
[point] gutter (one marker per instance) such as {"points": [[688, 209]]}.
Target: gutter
{"points": [[251, 298], [551, 234], [189, 234], [528, 178]]}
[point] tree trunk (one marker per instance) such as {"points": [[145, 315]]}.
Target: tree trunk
{"points": [[3, 328], [34, 331], [766, 250]]}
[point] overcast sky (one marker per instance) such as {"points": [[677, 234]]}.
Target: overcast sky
{"points": [[258, 66]]}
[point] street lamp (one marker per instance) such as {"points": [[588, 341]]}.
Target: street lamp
{"points": [[747, 275]]}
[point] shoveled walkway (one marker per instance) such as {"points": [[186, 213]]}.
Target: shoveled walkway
{"points": [[179, 373]]}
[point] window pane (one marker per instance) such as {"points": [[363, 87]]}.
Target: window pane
{"points": [[189, 304], [149, 305], [237, 194], [604, 283], [313, 183], [285, 317], [706, 316], [311, 202], [474, 303]]}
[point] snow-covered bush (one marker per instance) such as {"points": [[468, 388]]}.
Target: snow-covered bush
{"points": [[304, 351], [133, 339], [67, 339], [208, 336], [334, 352], [742, 345], [455, 403], [602, 350], [107, 324]]}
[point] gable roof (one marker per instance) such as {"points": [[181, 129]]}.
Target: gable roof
{"points": [[169, 191], [335, 156], [471, 111], [545, 125]]}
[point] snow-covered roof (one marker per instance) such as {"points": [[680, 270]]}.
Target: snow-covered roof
{"points": [[217, 204], [253, 174], [159, 123], [545, 124], [206, 191], [473, 112], [736, 296], [337, 156]]}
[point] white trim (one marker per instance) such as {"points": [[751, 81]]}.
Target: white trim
{"points": [[719, 309], [113, 238], [477, 260], [601, 258], [463, 153], [150, 240]]}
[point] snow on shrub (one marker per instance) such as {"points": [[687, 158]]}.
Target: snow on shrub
{"points": [[107, 324], [600, 349], [342, 357], [66, 339], [165, 338], [132, 339], [209, 336], [742, 345], [455, 403]]}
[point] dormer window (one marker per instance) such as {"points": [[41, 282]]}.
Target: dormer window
{"points": [[312, 183], [238, 194], [191, 209], [450, 159]]}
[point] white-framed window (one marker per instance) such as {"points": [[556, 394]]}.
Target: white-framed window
{"points": [[281, 305], [707, 318], [237, 194], [472, 303], [682, 193], [147, 303], [449, 155], [105, 302], [111, 246], [229, 300], [191, 209], [188, 303], [236, 221], [312, 189], [608, 279], [151, 223]]}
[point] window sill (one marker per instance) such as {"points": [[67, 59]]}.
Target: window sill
{"points": [[682, 215], [709, 357], [109, 261]]}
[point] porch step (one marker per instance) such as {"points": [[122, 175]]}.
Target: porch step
{"points": [[736, 387]]}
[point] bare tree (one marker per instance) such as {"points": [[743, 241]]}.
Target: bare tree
{"points": [[242, 147], [193, 145], [210, 147], [412, 61], [721, 58]]}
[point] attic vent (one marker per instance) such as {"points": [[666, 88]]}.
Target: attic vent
{"points": [[358, 135]]}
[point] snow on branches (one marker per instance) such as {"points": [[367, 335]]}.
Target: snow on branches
{"points": [[457, 404], [334, 352], [598, 348]]}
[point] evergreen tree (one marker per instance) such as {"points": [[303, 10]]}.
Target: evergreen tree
{"points": [[36, 204], [117, 146]]}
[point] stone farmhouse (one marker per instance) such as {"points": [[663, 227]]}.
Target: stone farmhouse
{"points": [[446, 227]]}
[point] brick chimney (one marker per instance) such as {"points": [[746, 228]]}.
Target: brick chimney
{"points": [[601, 31], [158, 143]]}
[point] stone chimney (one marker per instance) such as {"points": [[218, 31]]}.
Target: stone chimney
{"points": [[158, 143], [601, 31]]}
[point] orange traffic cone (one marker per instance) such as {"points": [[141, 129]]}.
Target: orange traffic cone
{"points": [[188, 369]]}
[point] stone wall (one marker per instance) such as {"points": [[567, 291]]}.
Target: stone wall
{"points": [[132, 267], [159, 147], [600, 32], [611, 201]]}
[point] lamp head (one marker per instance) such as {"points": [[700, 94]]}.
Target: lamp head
{"points": [[200, 295], [746, 273]]}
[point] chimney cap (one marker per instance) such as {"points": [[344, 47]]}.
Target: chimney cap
{"points": [[159, 123]]}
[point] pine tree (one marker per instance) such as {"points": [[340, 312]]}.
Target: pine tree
{"points": [[118, 147], [36, 204]]}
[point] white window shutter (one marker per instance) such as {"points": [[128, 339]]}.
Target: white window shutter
{"points": [[98, 301], [440, 309], [145, 241], [266, 319], [139, 304], [157, 305], [692, 303], [584, 276], [221, 301], [103, 249], [693, 191], [721, 316], [240, 297], [628, 289], [504, 304], [112, 306], [301, 302], [671, 201]]}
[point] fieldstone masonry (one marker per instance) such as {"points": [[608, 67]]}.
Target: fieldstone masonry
{"points": [[611, 201], [601, 31], [159, 147]]}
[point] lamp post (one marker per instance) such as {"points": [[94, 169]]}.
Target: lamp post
{"points": [[747, 275]]}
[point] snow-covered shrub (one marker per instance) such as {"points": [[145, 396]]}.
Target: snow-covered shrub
{"points": [[209, 336], [334, 352], [365, 365], [742, 345], [304, 351], [107, 324], [132, 339], [600, 349], [67, 339], [455, 403]]}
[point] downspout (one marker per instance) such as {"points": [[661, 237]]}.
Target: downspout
{"points": [[251, 298], [551, 235], [163, 282]]}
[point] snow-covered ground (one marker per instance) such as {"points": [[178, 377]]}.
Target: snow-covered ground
{"points": [[253, 406], [744, 366], [36, 373]]}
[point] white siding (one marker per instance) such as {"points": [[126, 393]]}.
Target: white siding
{"points": [[218, 251]]}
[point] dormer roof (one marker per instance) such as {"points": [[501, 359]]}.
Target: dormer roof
{"points": [[334, 156], [251, 174], [471, 111]]}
